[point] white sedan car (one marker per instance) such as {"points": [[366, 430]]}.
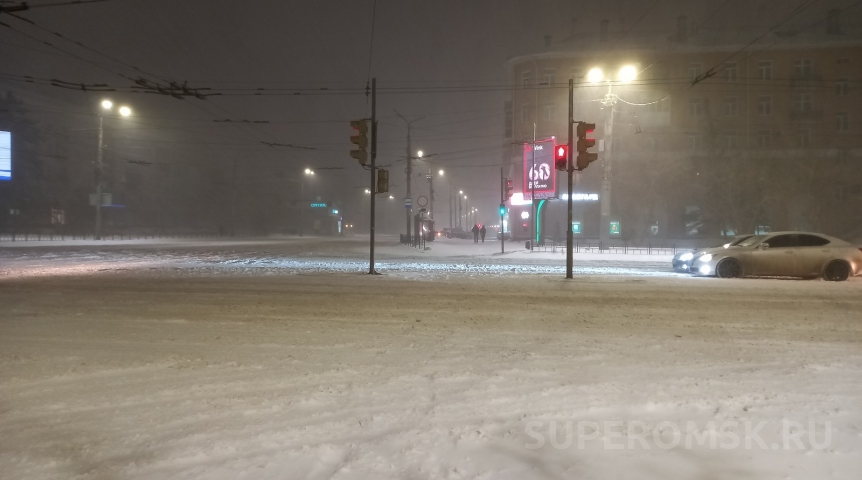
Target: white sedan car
{"points": [[782, 254]]}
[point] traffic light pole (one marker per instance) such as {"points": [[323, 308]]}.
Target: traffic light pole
{"points": [[570, 168], [502, 202], [371, 270], [607, 172]]}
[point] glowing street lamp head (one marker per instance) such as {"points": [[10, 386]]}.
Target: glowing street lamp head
{"points": [[595, 75], [420, 153], [125, 111], [628, 74], [461, 192], [441, 173], [309, 171], [107, 104]]}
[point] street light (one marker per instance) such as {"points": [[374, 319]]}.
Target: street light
{"points": [[419, 154], [628, 74], [595, 75], [308, 172], [441, 173], [125, 112]]}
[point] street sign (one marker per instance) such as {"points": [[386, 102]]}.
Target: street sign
{"points": [[576, 227], [408, 203], [615, 228], [422, 201], [107, 199], [319, 205]]}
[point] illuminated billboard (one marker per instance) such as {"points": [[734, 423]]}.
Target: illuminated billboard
{"points": [[539, 177], [5, 156]]}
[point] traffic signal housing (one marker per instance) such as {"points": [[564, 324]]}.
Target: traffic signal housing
{"points": [[585, 158], [508, 191], [561, 157], [502, 209], [382, 181], [360, 140]]}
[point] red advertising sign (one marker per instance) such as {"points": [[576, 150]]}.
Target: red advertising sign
{"points": [[539, 174]]}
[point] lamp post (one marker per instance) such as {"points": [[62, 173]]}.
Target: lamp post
{"points": [[626, 74], [308, 172], [460, 210], [107, 106]]}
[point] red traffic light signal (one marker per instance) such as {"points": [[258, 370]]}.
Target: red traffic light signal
{"points": [[509, 187], [561, 157]]}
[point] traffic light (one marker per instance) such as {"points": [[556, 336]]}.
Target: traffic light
{"points": [[585, 158], [508, 192], [561, 157], [360, 140], [382, 181], [502, 209]]}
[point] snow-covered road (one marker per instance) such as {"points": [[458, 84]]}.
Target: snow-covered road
{"points": [[159, 369]]}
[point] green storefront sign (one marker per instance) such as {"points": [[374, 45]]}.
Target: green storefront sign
{"points": [[576, 227], [615, 228]]}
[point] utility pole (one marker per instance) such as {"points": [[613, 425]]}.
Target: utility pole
{"points": [[533, 190], [450, 204], [409, 211], [98, 231], [570, 167], [607, 174], [431, 189], [371, 270], [502, 212]]}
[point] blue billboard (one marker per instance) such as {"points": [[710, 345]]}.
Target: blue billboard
{"points": [[5, 156]]}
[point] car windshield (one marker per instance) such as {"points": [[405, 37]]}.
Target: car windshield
{"points": [[739, 241], [751, 241]]}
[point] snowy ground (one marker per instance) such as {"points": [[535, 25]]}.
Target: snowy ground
{"points": [[279, 360]]}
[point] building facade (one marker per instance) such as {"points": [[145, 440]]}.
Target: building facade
{"points": [[715, 136]]}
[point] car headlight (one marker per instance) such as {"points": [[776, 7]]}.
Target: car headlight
{"points": [[686, 256], [705, 258]]}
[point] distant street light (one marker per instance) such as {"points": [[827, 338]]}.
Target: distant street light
{"points": [[125, 112], [308, 172], [419, 154], [441, 173]]}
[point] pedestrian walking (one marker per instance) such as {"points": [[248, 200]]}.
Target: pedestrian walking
{"points": [[475, 231], [482, 232]]}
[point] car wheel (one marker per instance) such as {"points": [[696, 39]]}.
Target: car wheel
{"points": [[836, 271], [728, 268]]}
